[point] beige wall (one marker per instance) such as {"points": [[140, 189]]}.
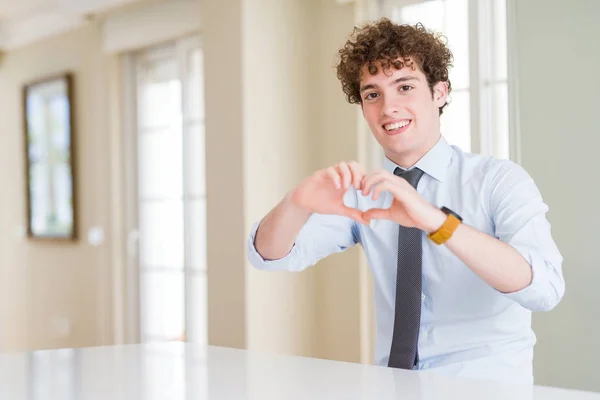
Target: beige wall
{"points": [[226, 259], [558, 62], [290, 126], [296, 122], [41, 281], [280, 143], [337, 276]]}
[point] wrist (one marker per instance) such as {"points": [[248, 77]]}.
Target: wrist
{"points": [[292, 204], [435, 221]]}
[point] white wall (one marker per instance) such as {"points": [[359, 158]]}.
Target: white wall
{"points": [[558, 62]]}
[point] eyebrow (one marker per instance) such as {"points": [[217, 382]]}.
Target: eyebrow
{"points": [[397, 81]]}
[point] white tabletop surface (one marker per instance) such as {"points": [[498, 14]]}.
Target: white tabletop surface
{"points": [[177, 371]]}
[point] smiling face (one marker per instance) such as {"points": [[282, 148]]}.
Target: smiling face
{"points": [[402, 111]]}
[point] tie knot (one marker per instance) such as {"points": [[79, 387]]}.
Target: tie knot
{"points": [[412, 176]]}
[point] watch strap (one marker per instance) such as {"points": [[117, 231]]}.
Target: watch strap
{"points": [[446, 230]]}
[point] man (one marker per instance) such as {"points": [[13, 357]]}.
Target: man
{"points": [[458, 244]]}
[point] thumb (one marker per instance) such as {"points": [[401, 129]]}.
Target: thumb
{"points": [[376, 213], [355, 214]]}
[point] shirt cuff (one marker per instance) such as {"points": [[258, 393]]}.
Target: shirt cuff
{"points": [[281, 264], [541, 294]]}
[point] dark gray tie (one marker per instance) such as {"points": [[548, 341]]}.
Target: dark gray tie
{"points": [[404, 349]]}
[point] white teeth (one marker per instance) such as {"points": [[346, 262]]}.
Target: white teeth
{"points": [[397, 125]]}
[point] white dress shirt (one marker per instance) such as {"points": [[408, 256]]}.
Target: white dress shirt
{"points": [[468, 328]]}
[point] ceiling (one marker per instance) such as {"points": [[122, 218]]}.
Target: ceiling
{"points": [[16, 9], [25, 21]]}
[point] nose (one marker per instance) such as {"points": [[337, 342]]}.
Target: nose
{"points": [[390, 107]]}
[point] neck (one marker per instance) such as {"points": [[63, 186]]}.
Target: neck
{"points": [[410, 158]]}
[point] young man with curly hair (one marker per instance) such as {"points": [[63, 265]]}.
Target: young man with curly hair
{"points": [[458, 244]]}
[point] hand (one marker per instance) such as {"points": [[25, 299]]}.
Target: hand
{"points": [[323, 192], [408, 208]]}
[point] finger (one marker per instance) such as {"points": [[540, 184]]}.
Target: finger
{"points": [[334, 176], [355, 214], [376, 213], [373, 180], [381, 187], [370, 180], [358, 174], [397, 188], [345, 173], [388, 186]]}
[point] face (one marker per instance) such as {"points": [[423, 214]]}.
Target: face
{"points": [[402, 112]]}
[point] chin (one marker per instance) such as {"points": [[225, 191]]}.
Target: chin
{"points": [[398, 144], [404, 149]]}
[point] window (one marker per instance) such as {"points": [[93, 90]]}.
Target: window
{"points": [[477, 118], [169, 203]]}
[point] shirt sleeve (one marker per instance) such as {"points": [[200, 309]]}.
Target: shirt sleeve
{"points": [[519, 215], [320, 236]]}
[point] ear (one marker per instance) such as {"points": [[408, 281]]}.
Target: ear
{"points": [[440, 93]]}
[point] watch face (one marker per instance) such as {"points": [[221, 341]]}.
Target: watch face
{"points": [[449, 211]]}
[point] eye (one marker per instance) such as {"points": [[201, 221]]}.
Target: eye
{"points": [[371, 96], [405, 88]]}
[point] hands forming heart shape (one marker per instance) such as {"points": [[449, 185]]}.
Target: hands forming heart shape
{"points": [[323, 193]]}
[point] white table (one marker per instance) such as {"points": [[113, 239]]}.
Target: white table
{"points": [[177, 371]]}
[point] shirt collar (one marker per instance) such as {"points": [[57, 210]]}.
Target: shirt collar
{"points": [[434, 163]]}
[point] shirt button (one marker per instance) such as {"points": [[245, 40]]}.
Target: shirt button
{"points": [[422, 297]]}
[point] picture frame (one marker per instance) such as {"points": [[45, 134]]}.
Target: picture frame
{"points": [[50, 175]]}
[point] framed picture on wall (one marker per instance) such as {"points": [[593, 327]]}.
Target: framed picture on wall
{"points": [[49, 158]]}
